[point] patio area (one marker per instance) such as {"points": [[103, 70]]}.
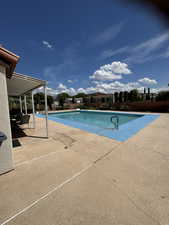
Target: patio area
{"points": [[76, 177]]}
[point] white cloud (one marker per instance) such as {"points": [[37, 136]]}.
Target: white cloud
{"points": [[166, 53], [102, 87], [117, 67], [81, 90], [111, 87], [70, 81], [47, 44], [109, 53], [111, 71], [147, 81], [142, 52], [116, 86], [61, 86], [71, 91], [50, 91], [105, 75], [153, 43], [108, 34]]}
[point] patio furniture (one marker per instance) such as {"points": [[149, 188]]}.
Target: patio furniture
{"points": [[24, 119], [19, 116]]}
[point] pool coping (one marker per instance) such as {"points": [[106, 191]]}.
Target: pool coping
{"points": [[124, 132]]}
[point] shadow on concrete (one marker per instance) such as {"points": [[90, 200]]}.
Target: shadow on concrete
{"points": [[16, 143], [40, 137], [18, 133]]}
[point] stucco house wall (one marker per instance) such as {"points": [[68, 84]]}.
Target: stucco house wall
{"points": [[8, 61], [6, 146]]}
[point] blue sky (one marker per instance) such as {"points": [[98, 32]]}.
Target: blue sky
{"points": [[87, 46]]}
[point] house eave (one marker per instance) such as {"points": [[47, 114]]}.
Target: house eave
{"points": [[9, 60]]}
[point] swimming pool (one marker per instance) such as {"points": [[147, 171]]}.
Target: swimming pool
{"points": [[99, 119], [99, 122]]}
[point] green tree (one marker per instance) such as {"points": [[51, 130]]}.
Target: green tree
{"points": [[50, 101], [126, 96], [103, 100], [39, 99], [73, 99], [134, 95], [163, 96], [148, 94], [92, 100], [121, 99], [80, 95], [116, 97], [61, 98]]}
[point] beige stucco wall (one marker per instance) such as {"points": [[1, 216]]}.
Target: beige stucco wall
{"points": [[6, 147]]}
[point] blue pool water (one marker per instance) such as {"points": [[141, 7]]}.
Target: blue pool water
{"points": [[99, 119]]}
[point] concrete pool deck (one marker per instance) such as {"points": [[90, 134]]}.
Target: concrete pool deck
{"points": [[76, 177]]}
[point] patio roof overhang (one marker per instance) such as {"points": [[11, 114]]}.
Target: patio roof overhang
{"points": [[20, 84]]}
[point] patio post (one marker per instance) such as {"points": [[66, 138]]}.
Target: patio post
{"points": [[33, 110], [26, 111], [20, 100], [46, 109]]}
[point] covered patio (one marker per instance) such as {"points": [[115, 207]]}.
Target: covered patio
{"points": [[19, 86]]}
